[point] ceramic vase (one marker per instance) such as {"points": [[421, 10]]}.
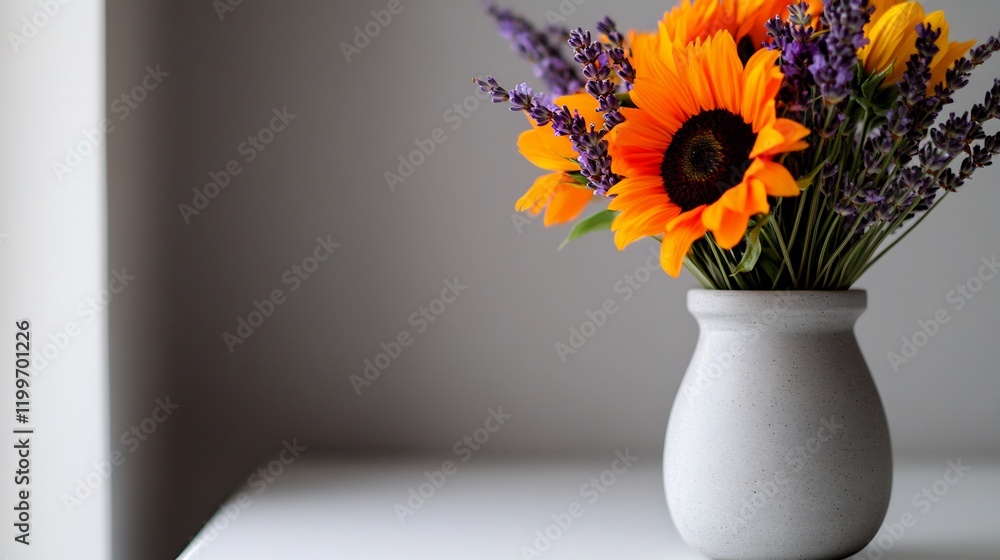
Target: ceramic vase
{"points": [[777, 446]]}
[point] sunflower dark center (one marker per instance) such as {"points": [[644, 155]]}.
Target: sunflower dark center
{"points": [[707, 157], [746, 49]]}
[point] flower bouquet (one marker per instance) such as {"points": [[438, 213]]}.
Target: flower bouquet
{"points": [[763, 145], [776, 150]]}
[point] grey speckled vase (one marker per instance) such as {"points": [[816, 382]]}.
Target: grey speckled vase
{"points": [[778, 446]]}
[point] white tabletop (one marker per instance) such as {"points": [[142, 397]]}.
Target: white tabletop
{"points": [[488, 510]]}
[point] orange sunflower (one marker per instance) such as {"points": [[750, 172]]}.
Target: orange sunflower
{"points": [[694, 20], [560, 194], [697, 155]]}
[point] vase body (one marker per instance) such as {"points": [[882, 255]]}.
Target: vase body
{"points": [[778, 445]]}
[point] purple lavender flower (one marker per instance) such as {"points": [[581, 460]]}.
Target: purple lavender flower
{"points": [[616, 52], [871, 196], [599, 62], [834, 64], [798, 50], [915, 110], [953, 135], [899, 122], [913, 85], [964, 135], [538, 48], [588, 141], [926, 111], [597, 69]]}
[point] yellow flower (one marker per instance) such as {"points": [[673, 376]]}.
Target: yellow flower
{"points": [[697, 155], [561, 196], [893, 40], [881, 7]]}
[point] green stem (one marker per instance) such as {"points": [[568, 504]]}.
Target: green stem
{"points": [[900, 238]]}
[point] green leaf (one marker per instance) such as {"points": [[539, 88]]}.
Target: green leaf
{"points": [[807, 181], [625, 99], [752, 253], [598, 222], [577, 177], [770, 262], [870, 86]]}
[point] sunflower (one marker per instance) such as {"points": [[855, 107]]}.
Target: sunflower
{"points": [[561, 194], [694, 20], [881, 7], [697, 154], [893, 40]]}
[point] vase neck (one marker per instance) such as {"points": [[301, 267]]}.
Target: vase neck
{"points": [[799, 312]]}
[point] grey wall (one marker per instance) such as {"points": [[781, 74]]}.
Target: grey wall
{"points": [[139, 237], [324, 175]]}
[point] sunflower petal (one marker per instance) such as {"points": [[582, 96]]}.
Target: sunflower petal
{"points": [[784, 135], [777, 180], [645, 209], [637, 145], [665, 94], [586, 104], [556, 193], [881, 6], [568, 202], [731, 228], [762, 81], [757, 198], [651, 222], [724, 72], [539, 194], [888, 34], [954, 52], [543, 148], [681, 233]]}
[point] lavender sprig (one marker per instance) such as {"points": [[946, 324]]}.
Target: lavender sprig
{"points": [[597, 69], [956, 79], [588, 141], [794, 39], [958, 135], [617, 51], [538, 48], [914, 107], [834, 65]]}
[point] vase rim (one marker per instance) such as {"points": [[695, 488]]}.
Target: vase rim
{"points": [[712, 302], [824, 292]]}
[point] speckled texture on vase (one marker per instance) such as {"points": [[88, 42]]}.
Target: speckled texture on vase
{"points": [[778, 446]]}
